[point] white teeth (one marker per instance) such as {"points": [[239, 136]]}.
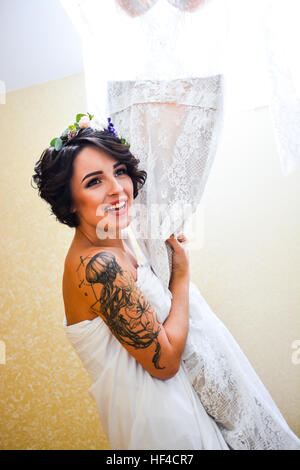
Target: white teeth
{"points": [[117, 206]]}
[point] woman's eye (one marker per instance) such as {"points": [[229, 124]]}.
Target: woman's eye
{"points": [[97, 180], [122, 169], [93, 182]]}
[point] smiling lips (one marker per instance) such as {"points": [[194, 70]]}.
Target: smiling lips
{"points": [[117, 208], [113, 203]]}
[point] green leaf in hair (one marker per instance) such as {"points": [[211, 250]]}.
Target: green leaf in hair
{"points": [[58, 144], [79, 116]]}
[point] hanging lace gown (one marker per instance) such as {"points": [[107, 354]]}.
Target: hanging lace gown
{"points": [[172, 127], [156, 81]]}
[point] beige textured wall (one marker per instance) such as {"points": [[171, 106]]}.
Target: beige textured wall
{"points": [[44, 400], [247, 269]]}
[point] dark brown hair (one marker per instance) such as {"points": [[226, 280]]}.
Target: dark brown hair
{"points": [[54, 170]]}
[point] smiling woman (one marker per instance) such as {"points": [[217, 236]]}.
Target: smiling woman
{"points": [[90, 181], [166, 372]]}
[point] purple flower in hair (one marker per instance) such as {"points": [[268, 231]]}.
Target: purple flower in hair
{"points": [[111, 129]]}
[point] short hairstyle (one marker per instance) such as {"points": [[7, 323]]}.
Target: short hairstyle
{"points": [[54, 169]]}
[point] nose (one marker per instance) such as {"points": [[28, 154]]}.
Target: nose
{"points": [[114, 186]]}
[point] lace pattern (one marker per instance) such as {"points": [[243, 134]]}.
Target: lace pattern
{"points": [[228, 387], [203, 92], [172, 127]]}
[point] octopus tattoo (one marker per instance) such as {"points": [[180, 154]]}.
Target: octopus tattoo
{"points": [[127, 313]]}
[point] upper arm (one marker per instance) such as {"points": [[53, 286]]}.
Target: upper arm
{"points": [[111, 292]]}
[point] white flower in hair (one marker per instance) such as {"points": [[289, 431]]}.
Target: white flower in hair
{"points": [[84, 122]]}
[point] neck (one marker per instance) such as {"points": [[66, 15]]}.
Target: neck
{"points": [[89, 235]]}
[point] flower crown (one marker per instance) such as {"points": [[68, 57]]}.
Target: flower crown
{"points": [[82, 122]]}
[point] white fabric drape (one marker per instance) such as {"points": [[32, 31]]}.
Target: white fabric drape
{"points": [[165, 43], [262, 67], [282, 35], [142, 72], [253, 43], [173, 128], [129, 45]]}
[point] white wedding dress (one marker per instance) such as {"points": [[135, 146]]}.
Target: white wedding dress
{"points": [[138, 411], [216, 401]]}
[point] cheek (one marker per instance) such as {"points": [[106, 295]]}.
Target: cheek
{"points": [[87, 201]]}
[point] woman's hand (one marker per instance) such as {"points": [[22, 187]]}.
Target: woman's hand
{"points": [[180, 261]]}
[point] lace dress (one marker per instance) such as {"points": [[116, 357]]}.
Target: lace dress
{"points": [[216, 401], [173, 127], [166, 103], [228, 387]]}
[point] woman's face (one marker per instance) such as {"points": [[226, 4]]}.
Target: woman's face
{"points": [[99, 181]]}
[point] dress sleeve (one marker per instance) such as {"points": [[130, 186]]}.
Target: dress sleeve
{"points": [[173, 128], [166, 104]]}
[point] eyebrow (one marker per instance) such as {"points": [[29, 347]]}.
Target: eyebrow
{"points": [[100, 172]]}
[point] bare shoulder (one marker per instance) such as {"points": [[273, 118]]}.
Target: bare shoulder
{"points": [[106, 288], [86, 272], [91, 257], [86, 268], [99, 260], [101, 272], [92, 273]]}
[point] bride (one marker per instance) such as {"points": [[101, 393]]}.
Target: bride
{"points": [[166, 372]]}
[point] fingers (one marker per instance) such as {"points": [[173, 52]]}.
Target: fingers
{"points": [[181, 238]]}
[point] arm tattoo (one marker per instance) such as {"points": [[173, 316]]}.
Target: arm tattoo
{"points": [[137, 329]]}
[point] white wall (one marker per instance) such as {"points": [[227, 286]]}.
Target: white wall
{"points": [[38, 43]]}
